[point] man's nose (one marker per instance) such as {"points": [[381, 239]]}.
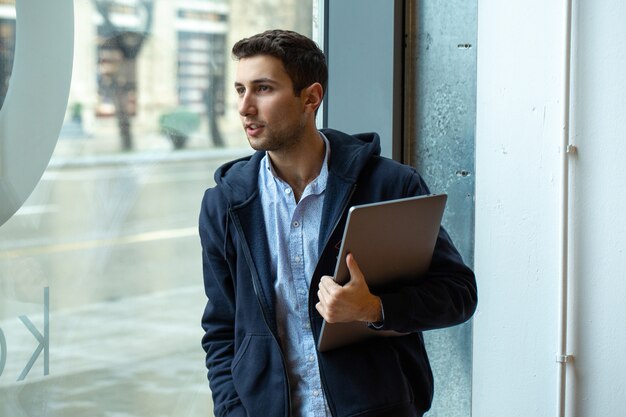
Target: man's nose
{"points": [[246, 105]]}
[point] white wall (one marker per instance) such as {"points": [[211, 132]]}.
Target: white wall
{"points": [[518, 149]]}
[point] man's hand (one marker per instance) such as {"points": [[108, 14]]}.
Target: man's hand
{"points": [[351, 302]]}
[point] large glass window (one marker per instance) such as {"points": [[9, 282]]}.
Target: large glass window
{"points": [[100, 271], [100, 274]]}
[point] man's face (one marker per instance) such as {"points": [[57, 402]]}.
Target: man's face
{"points": [[272, 116]]}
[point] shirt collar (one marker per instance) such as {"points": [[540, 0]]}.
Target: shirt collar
{"points": [[317, 186]]}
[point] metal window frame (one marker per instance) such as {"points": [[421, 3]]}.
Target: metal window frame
{"points": [[364, 83]]}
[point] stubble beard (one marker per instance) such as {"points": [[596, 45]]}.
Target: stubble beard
{"points": [[278, 141]]}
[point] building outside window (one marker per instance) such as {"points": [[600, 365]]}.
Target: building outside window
{"points": [[202, 30]]}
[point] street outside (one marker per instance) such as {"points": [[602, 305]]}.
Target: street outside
{"points": [[113, 238]]}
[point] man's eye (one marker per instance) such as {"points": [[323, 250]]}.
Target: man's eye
{"points": [[264, 88]]}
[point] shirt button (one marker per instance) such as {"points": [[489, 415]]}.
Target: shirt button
{"points": [[296, 224], [287, 190], [297, 259], [311, 358], [316, 393]]}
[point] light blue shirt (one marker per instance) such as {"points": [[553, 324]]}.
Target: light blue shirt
{"points": [[293, 234]]}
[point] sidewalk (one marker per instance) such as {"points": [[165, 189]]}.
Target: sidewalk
{"points": [[76, 149], [135, 356]]}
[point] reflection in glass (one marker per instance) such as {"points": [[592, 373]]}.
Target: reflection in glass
{"points": [[7, 44], [142, 64], [122, 32], [110, 232]]}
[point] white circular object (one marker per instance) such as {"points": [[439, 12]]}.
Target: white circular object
{"points": [[36, 101]]}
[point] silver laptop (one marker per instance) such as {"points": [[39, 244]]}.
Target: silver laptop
{"points": [[393, 242]]}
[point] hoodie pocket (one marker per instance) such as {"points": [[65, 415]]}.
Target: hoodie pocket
{"points": [[259, 376]]}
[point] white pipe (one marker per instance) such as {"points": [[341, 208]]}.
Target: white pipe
{"points": [[562, 356]]}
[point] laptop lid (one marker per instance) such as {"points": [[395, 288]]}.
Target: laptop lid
{"points": [[392, 242]]}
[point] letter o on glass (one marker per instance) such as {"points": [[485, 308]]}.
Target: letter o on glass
{"points": [[36, 101]]}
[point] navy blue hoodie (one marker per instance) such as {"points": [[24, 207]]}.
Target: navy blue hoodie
{"points": [[375, 378]]}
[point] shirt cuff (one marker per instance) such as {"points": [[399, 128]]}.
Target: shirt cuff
{"points": [[379, 324]]}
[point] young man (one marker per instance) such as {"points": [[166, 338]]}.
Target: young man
{"points": [[270, 232]]}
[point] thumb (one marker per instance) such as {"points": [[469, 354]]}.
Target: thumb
{"points": [[356, 275]]}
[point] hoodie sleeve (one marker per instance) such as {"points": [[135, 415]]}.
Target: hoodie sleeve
{"points": [[444, 296], [219, 315]]}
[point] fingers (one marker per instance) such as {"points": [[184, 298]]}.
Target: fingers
{"points": [[350, 302], [326, 290], [327, 286], [327, 294]]}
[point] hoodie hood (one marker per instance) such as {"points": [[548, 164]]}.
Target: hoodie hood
{"points": [[348, 154]]}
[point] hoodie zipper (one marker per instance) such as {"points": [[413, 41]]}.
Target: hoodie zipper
{"points": [[264, 313], [247, 254], [345, 204]]}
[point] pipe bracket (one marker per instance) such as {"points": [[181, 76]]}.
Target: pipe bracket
{"points": [[564, 358]]}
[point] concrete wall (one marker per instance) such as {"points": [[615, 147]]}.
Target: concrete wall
{"points": [[518, 188]]}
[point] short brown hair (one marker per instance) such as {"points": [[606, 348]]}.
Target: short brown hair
{"points": [[304, 61]]}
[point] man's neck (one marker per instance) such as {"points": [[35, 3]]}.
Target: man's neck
{"points": [[301, 164]]}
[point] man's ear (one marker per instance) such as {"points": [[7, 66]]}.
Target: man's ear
{"points": [[313, 96]]}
